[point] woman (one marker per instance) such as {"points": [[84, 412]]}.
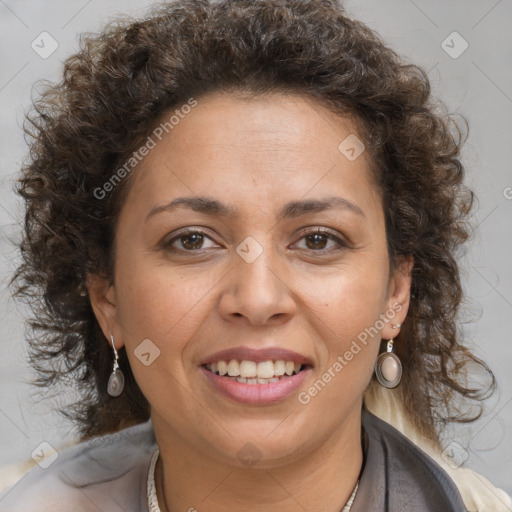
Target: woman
{"points": [[242, 222]]}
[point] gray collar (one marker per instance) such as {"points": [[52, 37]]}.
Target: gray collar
{"points": [[110, 473], [398, 476]]}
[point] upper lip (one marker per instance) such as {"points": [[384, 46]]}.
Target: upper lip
{"points": [[257, 355]]}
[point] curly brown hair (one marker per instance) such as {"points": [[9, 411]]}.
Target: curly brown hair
{"points": [[119, 85]]}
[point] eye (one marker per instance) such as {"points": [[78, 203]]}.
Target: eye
{"points": [[194, 240], [190, 240], [318, 239]]}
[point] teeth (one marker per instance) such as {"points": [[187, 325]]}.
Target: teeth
{"points": [[252, 372], [279, 368], [222, 367], [243, 380], [265, 370], [233, 368], [248, 369]]}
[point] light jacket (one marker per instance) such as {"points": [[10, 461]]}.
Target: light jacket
{"points": [[109, 473]]}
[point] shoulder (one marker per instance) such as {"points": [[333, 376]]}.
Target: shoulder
{"points": [[478, 494], [402, 475], [104, 473]]}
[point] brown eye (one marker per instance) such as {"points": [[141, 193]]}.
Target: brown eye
{"points": [[192, 241], [319, 239], [189, 241], [316, 241]]}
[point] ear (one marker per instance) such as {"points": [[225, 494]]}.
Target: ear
{"points": [[399, 296], [103, 302]]}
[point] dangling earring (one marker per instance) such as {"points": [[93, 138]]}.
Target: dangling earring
{"points": [[116, 381], [388, 368]]}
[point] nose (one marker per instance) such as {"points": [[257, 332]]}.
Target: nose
{"points": [[258, 293]]}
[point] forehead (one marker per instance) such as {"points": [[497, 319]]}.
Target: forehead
{"points": [[269, 148]]}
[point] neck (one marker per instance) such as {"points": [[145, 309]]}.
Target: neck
{"points": [[322, 480]]}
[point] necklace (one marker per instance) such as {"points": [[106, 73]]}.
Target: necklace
{"points": [[153, 501]]}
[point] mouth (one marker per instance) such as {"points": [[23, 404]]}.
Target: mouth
{"points": [[256, 372], [260, 376]]}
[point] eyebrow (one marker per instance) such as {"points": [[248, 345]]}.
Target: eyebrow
{"points": [[289, 210]]}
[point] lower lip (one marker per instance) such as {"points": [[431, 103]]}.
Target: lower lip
{"points": [[259, 394]]}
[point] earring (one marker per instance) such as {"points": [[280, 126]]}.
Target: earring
{"points": [[388, 368], [116, 381]]}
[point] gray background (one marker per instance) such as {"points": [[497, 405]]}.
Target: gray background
{"points": [[476, 84]]}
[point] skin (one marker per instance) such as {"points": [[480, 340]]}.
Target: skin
{"points": [[304, 294]]}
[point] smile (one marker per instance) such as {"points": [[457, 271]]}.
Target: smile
{"points": [[252, 372], [254, 382]]}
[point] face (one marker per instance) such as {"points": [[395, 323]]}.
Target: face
{"points": [[288, 253]]}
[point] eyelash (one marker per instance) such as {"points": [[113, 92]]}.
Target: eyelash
{"points": [[303, 234]]}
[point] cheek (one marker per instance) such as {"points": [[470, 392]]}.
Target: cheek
{"points": [[346, 318], [346, 307], [159, 306], [347, 300], [163, 304]]}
